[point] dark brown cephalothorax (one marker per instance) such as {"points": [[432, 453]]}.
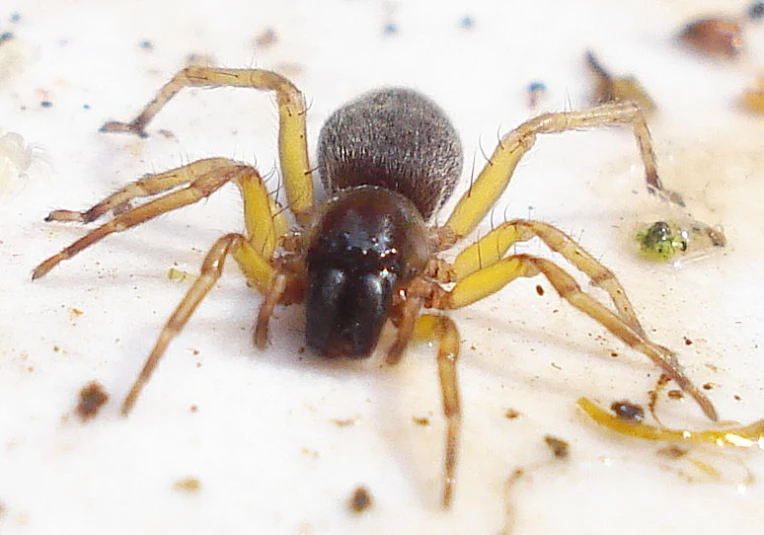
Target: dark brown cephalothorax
{"points": [[396, 139], [388, 160], [369, 242]]}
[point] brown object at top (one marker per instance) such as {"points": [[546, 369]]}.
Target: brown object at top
{"points": [[719, 38]]}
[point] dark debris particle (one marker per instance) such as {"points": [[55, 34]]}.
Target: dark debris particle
{"points": [[92, 398], [5, 36], [560, 448], [628, 411], [756, 10], [719, 38], [539, 289], [675, 394], [86, 106], [361, 500], [266, 38], [511, 414], [46, 104], [708, 386], [687, 341]]}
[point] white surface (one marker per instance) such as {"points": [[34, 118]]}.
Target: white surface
{"points": [[264, 443]]}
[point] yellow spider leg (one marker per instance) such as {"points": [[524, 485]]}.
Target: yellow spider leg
{"points": [[494, 245], [212, 269], [490, 280], [293, 147], [493, 179], [200, 188], [148, 186], [434, 328], [263, 217]]}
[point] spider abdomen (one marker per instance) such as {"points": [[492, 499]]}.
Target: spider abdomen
{"points": [[396, 139], [368, 243]]}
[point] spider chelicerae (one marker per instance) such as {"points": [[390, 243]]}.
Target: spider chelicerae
{"points": [[388, 160]]}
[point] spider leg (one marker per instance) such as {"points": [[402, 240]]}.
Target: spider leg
{"points": [[494, 245], [441, 329], [202, 178], [211, 270], [491, 279], [147, 186], [293, 148], [493, 179]]}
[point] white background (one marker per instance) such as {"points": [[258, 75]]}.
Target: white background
{"points": [[265, 443]]}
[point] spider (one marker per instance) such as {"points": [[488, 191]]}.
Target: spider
{"points": [[388, 160]]}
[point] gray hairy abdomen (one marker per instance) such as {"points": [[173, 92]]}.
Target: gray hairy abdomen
{"points": [[394, 138]]}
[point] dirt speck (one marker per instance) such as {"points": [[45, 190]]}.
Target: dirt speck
{"points": [[424, 421], [266, 38], [628, 411], [511, 414], [560, 448], [361, 500], [92, 398]]}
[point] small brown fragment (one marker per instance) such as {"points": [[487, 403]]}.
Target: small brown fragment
{"points": [[266, 38], [188, 485], [662, 382], [687, 341], [673, 452], [675, 394], [361, 500], [344, 422], [617, 88], [539, 289], [718, 38], [424, 421], [92, 398], [560, 448], [628, 411], [708, 386], [511, 414]]}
